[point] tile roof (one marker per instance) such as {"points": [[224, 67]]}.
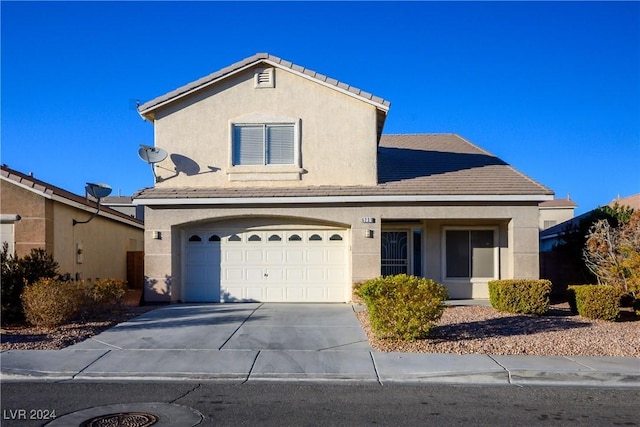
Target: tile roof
{"points": [[631, 201], [558, 203], [408, 165], [146, 108], [47, 189]]}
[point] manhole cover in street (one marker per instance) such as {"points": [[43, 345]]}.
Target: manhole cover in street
{"points": [[156, 414], [126, 419]]}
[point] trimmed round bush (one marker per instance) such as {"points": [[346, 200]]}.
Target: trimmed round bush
{"points": [[105, 296], [402, 306], [597, 301], [521, 296], [50, 303]]}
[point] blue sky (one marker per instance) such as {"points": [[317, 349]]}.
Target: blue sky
{"points": [[551, 88]]}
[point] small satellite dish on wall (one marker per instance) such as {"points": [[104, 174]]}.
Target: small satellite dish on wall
{"points": [[152, 155]]}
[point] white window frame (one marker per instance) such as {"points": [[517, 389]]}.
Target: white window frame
{"points": [[266, 172], [265, 127], [496, 253], [8, 224]]}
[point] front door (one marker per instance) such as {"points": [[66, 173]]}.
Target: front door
{"points": [[395, 251]]}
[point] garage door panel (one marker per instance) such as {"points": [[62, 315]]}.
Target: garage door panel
{"points": [[275, 294], [233, 294], [316, 294], [336, 275], [294, 274], [275, 275], [314, 256], [294, 256], [315, 275], [296, 294], [254, 256], [232, 256], [335, 256], [275, 256], [334, 294], [233, 275], [256, 293], [254, 274]]}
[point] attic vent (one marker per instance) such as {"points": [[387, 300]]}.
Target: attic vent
{"points": [[264, 78]]}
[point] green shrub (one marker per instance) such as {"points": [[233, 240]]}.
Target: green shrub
{"points": [[402, 306], [105, 296], [597, 301], [16, 274], [520, 295], [571, 298], [50, 303]]}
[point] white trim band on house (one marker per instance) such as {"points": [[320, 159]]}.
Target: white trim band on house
{"points": [[339, 199]]}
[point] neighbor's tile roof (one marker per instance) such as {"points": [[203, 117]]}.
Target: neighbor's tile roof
{"points": [[150, 105], [558, 203], [48, 190], [416, 164]]}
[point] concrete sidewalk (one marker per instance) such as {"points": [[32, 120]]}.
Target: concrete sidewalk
{"points": [[287, 342]]}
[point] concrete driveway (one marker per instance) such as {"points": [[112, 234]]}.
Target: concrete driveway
{"points": [[252, 326]]}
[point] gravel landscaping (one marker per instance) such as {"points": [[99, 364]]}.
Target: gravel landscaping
{"points": [[483, 330], [25, 337], [462, 330]]}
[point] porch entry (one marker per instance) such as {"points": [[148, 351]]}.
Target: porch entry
{"points": [[401, 252]]}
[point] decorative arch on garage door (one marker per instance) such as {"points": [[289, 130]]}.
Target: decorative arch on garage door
{"points": [[231, 261]]}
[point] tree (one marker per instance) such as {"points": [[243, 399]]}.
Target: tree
{"points": [[613, 253], [574, 235]]}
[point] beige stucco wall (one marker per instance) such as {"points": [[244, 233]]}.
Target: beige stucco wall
{"points": [[103, 241], [48, 223], [196, 132], [517, 233], [34, 230], [556, 214]]}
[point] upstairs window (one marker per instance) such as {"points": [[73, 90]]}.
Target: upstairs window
{"points": [[263, 144]]}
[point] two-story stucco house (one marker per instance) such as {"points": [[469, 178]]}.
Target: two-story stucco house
{"points": [[280, 186]]}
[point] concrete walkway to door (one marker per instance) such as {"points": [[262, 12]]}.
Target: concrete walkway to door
{"points": [[286, 342]]}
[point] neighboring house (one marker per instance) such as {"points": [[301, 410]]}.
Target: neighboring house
{"points": [[125, 205], [36, 214], [552, 236], [555, 211], [280, 186]]}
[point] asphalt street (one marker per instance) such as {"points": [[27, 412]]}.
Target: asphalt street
{"points": [[322, 404]]}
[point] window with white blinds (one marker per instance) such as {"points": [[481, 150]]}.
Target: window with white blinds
{"points": [[263, 144]]}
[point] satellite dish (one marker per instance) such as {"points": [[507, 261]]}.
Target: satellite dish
{"points": [[98, 190], [152, 155]]}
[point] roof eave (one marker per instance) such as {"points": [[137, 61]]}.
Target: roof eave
{"points": [[533, 198]]}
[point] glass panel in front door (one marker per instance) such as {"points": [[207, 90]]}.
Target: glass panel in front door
{"points": [[395, 253]]}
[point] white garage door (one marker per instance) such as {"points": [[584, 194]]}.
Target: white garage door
{"points": [[267, 265]]}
